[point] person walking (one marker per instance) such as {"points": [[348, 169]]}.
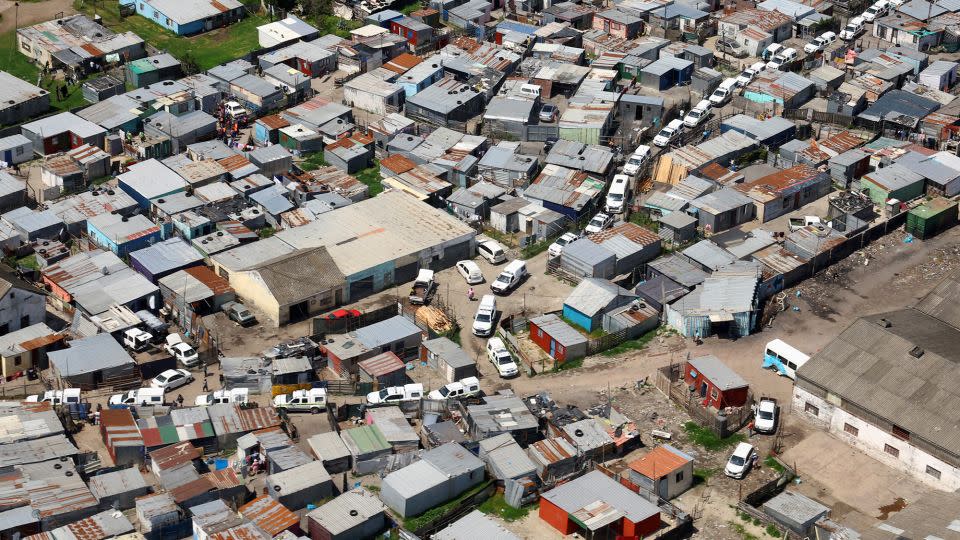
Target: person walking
{"points": [[180, 400], [205, 388]]}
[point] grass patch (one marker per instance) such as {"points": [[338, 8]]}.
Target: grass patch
{"points": [[207, 50], [453, 335], [632, 345], [498, 506], [30, 261], [505, 239], [331, 24], [700, 476], [313, 162], [643, 219], [416, 523], [535, 249], [773, 531], [709, 440], [742, 531], [373, 489], [569, 364], [774, 464], [266, 232], [371, 177]]}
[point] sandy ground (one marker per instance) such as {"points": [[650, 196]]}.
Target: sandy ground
{"points": [[31, 12]]}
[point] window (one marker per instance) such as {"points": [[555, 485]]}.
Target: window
{"points": [[900, 433], [24, 321], [539, 332], [810, 408], [892, 450], [4, 328], [714, 393], [19, 150], [679, 476], [17, 361], [933, 472], [852, 430]]}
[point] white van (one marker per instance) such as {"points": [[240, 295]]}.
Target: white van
{"points": [[853, 29], [486, 313], [510, 278], [781, 59], [784, 358], [724, 92], [618, 194], [492, 251], [530, 90], [140, 396], [394, 394], [698, 114]]}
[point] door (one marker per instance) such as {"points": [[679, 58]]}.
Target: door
{"points": [[553, 349], [662, 487], [703, 389], [299, 311]]}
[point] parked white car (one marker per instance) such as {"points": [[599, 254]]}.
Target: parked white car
{"points": [[470, 272], [636, 161], [740, 461], [820, 42], [233, 395], [670, 132], [765, 416], [599, 222], [171, 379], [501, 358], [556, 248], [492, 251], [313, 400], [181, 351], [466, 387]]}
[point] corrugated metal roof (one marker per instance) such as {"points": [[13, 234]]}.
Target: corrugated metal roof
{"points": [[230, 418], [588, 434], [593, 295], [328, 446], [506, 458], [797, 507], [450, 352], [117, 482], [386, 332], [717, 372], [268, 514], [347, 511], [382, 364], [298, 478], [365, 440], [708, 254], [174, 455], [560, 331], [87, 355], [393, 424], [167, 255], [596, 486], [475, 525], [288, 457]]}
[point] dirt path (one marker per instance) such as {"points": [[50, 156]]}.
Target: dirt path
{"points": [[31, 12]]}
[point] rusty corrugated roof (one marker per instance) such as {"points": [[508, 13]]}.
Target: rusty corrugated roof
{"points": [[208, 277], [269, 515]]}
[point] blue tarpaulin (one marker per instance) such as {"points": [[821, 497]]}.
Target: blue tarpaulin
{"points": [[774, 362]]}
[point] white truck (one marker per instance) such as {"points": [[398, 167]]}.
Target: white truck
{"points": [[313, 400], [394, 394], [181, 351], [136, 340], [234, 395], [466, 387], [423, 288], [140, 396], [56, 397], [510, 277], [798, 223]]}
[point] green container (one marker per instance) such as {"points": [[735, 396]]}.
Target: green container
{"points": [[931, 218]]}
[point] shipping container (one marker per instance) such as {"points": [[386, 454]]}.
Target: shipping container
{"points": [[931, 218]]}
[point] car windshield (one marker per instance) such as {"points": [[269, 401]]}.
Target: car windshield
{"points": [[736, 460], [634, 161], [615, 197], [444, 391], [383, 393], [766, 415], [504, 358], [665, 133], [547, 109], [244, 313], [596, 222], [483, 317], [127, 396], [850, 27], [695, 114], [161, 379], [562, 241], [503, 278]]}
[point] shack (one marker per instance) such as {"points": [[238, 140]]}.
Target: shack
{"points": [[665, 470], [395, 428], [448, 359], [118, 489], [440, 475], [122, 437], [385, 369], [93, 362], [366, 444], [795, 512], [505, 459], [354, 514], [331, 451], [557, 338], [715, 383], [300, 486]]}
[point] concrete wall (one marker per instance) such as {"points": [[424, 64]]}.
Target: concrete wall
{"points": [[872, 440]]}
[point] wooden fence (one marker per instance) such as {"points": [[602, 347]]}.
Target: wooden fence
{"points": [[819, 117], [669, 380]]}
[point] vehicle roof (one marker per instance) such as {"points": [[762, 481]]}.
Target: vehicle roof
{"points": [[167, 373], [742, 449], [675, 124], [491, 244], [496, 343]]}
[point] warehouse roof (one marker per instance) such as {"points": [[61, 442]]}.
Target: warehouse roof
{"points": [[347, 511], [302, 274]]}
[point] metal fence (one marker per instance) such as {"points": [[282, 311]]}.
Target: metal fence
{"points": [[324, 325]]}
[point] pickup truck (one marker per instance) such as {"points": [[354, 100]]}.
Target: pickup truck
{"points": [[798, 223], [423, 288]]}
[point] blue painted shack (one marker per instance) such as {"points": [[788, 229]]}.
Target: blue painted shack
{"points": [[188, 17], [121, 234], [591, 299]]}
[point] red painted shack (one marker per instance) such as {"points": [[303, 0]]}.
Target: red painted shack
{"points": [[717, 385], [600, 507], [415, 32], [560, 340]]}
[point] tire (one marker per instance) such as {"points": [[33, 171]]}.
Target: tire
{"points": [[314, 410]]}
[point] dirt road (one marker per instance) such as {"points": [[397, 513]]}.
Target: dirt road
{"points": [[31, 12]]}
